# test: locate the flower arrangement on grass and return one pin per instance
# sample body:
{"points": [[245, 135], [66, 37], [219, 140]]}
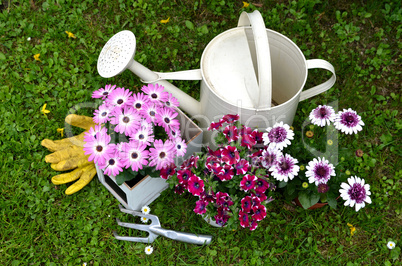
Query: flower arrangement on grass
{"points": [[135, 132], [230, 183], [319, 179]]}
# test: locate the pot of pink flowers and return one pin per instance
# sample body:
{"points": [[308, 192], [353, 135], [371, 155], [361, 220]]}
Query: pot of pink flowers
{"points": [[137, 139], [230, 184], [313, 181]]}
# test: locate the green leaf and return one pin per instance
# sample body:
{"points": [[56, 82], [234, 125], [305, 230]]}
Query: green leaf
{"points": [[305, 200], [2, 56], [282, 184], [332, 202], [189, 25], [395, 253]]}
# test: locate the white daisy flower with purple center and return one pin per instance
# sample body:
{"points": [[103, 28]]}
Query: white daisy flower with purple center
{"points": [[162, 155], [120, 97], [270, 156], [319, 171], [285, 169], [134, 155], [101, 115], [356, 193], [322, 115], [278, 136], [348, 121], [156, 93], [126, 120], [103, 92]]}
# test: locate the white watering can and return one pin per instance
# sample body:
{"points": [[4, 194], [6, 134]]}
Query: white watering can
{"points": [[248, 70]]}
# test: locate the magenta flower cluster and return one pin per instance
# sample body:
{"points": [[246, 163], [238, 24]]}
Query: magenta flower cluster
{"points": [[131, 118], [228, 174]]}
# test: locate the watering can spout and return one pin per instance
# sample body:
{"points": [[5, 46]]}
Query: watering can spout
{"points": [[117, 56]]}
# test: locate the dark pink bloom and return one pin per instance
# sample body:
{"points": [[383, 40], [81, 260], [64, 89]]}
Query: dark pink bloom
{"points": [[168, 171], [261, 185], [201, 207], [253, 224], [230, 155], [222, 217], [221, 197], [195, 185], [244, 220], [231, 133], [260, 212], [248, 182], [257, 135], [247, 139], [260, 196], [208, 196], [256, 200], [246, 204], [230, 118], [242, 167], [183, 176], [190, 162], [215, 126], [179, 189], [228, 173]]}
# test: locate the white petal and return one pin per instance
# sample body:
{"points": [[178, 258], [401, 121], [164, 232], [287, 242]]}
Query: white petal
{"points": [[367, 199]]}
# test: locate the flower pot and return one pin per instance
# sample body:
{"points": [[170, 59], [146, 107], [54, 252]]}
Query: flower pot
{"points": [[315, 206], [140, 191]]}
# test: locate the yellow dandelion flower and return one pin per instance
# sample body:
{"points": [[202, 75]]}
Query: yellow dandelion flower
{"points": [[44, 111], [245, 4], [330, 142], [36, 57], [309, 134], [164, 21], [352, 229], [61, 131], [305, 185], [70, 35]]}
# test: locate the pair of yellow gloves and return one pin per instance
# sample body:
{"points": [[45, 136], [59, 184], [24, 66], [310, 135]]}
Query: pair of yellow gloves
{"points": [[68, 154]]}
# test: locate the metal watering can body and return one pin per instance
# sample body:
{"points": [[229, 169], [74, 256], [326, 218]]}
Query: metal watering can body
{"points": [[248, 70]]}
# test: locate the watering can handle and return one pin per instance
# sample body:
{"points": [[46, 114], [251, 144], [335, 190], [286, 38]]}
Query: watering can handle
{"points": [[259, 49], [319, 63]]}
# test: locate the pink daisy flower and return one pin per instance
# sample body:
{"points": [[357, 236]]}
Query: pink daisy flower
{"points": [[269, 157], [126, 120], [319, 171], [248, 182], [99, 149], [156, 93], [134, 155], [348, 121], [181, 146], [149, 113], [162, 155], [278, 136], [91, 133], [140, 101], [120, 97], [143, 135], [171, 101], [113, 166], [165, 118], [103, 92], [101, 115]]}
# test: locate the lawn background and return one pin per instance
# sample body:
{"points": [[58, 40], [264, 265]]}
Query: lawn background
{"points": [[40, 225]]}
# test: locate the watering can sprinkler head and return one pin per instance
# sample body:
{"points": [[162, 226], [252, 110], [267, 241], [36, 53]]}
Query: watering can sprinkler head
{"points": [[118, 55]]}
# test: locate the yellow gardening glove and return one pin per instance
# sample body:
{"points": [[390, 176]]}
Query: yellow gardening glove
{"points": [[68, 154]]}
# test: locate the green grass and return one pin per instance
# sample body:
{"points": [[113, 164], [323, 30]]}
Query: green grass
{"points": [[40, 225]]}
